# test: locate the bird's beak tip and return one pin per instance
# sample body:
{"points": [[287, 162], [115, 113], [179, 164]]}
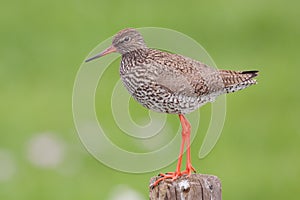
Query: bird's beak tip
{"points": [[87, 60], [109, 50]]}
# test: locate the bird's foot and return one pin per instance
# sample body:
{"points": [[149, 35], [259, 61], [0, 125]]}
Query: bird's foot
{"points": [[173, 175], [169, 175], [189, 170]]}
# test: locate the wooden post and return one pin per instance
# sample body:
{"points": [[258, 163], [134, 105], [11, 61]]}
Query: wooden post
{"points": [[195, 186]]}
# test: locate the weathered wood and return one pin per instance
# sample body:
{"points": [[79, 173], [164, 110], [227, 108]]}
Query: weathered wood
{"points": [[195, 186]]}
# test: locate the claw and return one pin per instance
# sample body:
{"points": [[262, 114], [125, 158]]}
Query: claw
{"points": [[173, 175], [189, 170], [169, 175]]}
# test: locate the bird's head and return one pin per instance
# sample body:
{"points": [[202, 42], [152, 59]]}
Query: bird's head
{"points": [[124, 41]]}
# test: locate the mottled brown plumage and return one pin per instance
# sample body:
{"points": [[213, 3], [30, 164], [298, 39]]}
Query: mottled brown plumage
{"points": [[171, 83]]}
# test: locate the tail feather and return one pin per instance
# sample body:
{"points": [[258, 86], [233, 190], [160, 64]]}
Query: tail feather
{"points": [[237, 80]]}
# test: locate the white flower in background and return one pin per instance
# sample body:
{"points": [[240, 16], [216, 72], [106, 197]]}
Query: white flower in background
{"points": [[123, 192], [46, 150]]}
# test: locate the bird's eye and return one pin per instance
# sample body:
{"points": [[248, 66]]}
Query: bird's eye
{"points": [[126, 39]]}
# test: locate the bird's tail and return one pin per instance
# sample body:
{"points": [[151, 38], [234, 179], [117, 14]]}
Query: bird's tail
{"points": [[237, 80]]}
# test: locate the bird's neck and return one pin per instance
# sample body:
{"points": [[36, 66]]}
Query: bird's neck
{"points": [[137, 53], [133, 58]]}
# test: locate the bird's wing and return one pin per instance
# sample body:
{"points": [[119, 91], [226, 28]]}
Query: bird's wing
{"points": [[174, 82], [184, 75]]}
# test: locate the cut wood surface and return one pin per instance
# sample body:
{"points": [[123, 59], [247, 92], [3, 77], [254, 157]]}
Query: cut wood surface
{"points": [[195, 186]]}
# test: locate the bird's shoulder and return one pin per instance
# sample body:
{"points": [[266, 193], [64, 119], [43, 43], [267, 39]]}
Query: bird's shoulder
{"points": [[174, 61]]}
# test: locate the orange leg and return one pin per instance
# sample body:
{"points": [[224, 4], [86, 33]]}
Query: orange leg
{"points": [[186, 130]]}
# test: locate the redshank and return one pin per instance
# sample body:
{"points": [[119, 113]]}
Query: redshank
{"points": [[171, 83]]}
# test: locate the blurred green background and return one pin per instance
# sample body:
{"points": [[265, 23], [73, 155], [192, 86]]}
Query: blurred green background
{"points": [[43, 43]]}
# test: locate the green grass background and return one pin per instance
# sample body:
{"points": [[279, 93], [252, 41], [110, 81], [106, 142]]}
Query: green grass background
{"points": [[43, 43]]}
